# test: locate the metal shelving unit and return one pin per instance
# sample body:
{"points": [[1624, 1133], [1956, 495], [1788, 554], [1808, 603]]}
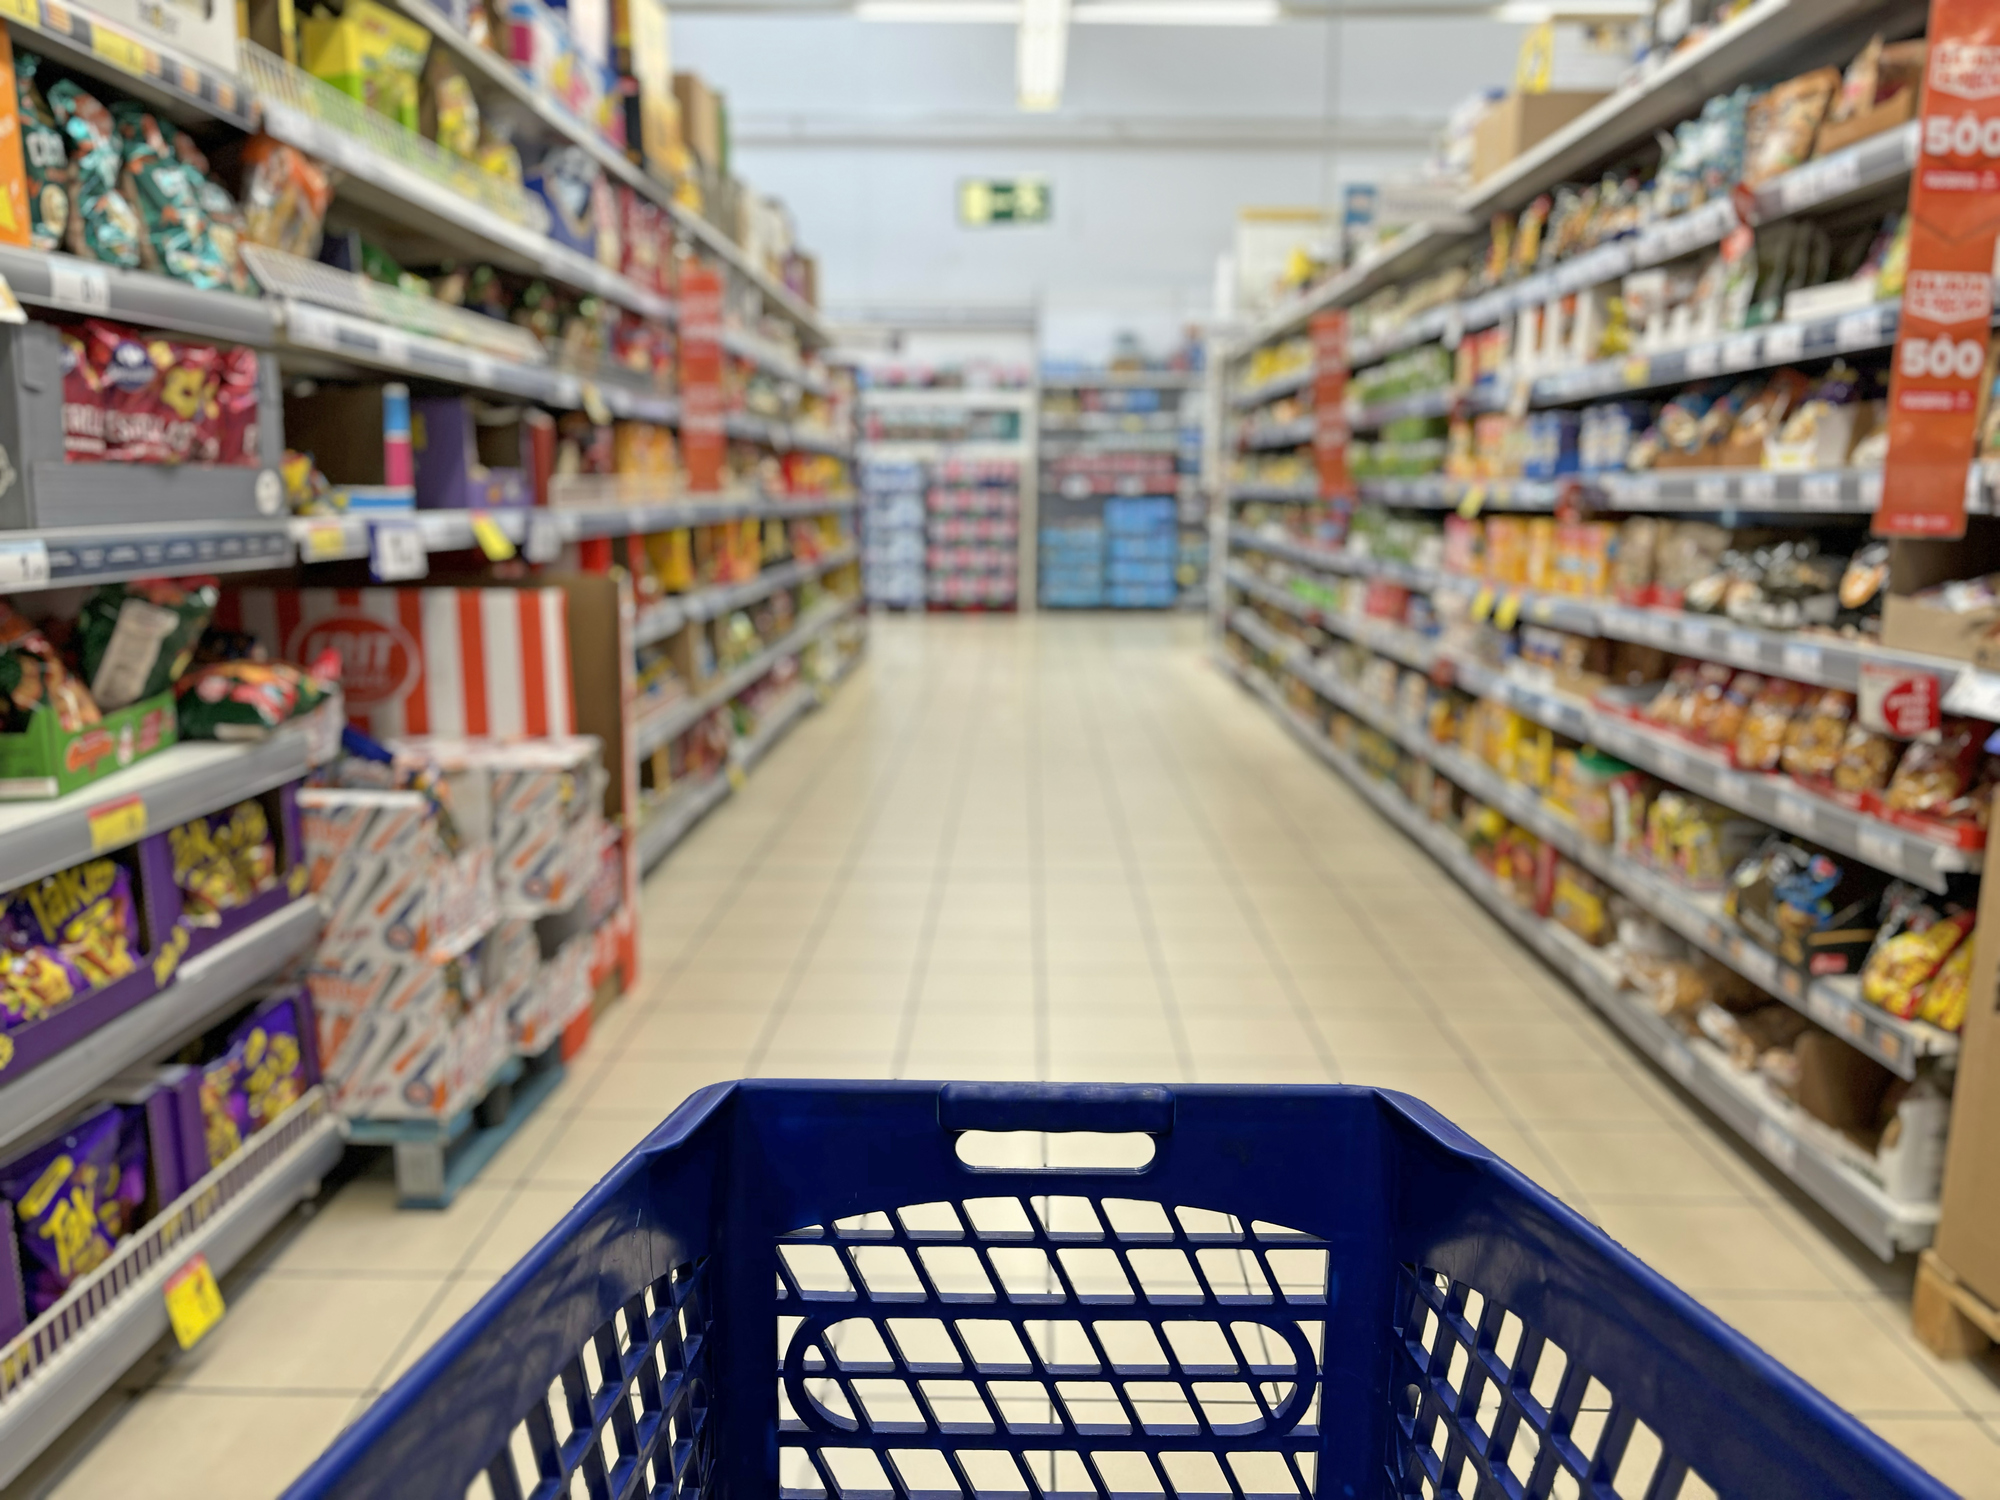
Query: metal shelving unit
{"points": [[668, 722], [1804, 1151], [658, 621]]}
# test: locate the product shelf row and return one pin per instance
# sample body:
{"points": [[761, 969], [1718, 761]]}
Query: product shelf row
{"points": [[1806, 1153], [1827, 492], [1773, 799], [658, 621], [675, 815], [668, 722], [110, 1318], [1833, 1002], [206, 988], [539, 533], [1766, 36], [1824, 661]]}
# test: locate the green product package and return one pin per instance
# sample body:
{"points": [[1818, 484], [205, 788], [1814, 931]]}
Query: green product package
{"points": [[103, 225], [51, 180], [136, 639], [158, 184]]}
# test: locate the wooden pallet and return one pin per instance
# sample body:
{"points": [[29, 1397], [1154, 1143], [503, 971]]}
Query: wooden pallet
{"points": [[1949, 1318]]}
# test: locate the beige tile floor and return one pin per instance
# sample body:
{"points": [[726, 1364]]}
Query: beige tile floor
{"points": [[1068, 849]]}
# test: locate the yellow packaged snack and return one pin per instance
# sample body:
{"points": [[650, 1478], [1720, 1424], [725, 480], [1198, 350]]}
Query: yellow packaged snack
{"points": [[370, 53]]}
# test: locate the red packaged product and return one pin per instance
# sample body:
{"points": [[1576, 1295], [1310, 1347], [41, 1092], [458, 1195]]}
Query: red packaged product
{"points": [[139, 426], [187, 390], [236, 408], [83, 403]]}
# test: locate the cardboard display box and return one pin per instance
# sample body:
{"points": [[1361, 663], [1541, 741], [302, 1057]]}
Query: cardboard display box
{"points": [[1518, 122], [701, 122]]}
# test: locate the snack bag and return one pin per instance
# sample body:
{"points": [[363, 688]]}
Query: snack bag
{"points": [[222, 861], [35, 981], [131, 378], [285, 197], [244, 700], [137, 638], [225, 1111], [1760, 744], [33, 676], [157, 184], [1943, 1001], [1866, 759], [51, 181], [232, 413], [86, 911], [83, 403], [1934, 777], [1918, 933], [450, 112], [103, 225], [225, 219], [271, 1070], [61, 1192], [1814, 740]]}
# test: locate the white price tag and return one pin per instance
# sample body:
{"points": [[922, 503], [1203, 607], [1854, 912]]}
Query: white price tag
{"points": [[82, 288], [1798, 813], [1858, 330], [1678, 1060], [1880, 848], [1711, 490], [1783, 342], [1758, 488], [1804, 662], [1757, 965], [1976, 695], [1704, 359], [1820, 491], [1740, 353], [1743, 647], [24, 565], [1673, 765], [1778, 1144], [1822, 180], [397, 553], [544, 543]]}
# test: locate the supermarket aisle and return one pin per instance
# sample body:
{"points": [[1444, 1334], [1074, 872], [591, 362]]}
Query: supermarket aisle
{"points": [[1058, 849]]}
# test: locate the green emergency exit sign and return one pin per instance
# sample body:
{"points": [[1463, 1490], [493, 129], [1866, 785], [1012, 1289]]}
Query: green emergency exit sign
{"points": [[1002, 200]]}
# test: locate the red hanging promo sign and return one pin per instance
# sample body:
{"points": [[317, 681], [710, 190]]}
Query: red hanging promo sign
{"points": [[1330, 429], [704, 444], [1948, 294]]}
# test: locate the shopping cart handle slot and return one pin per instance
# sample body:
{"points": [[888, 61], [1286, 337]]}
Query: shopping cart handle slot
{"points": [[1097, 1107]]}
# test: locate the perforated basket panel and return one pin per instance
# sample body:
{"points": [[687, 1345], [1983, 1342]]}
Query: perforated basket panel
{"points": [[803, 1290], [1076, 1344]]}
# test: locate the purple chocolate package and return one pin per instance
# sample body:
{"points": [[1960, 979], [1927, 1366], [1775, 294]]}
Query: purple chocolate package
{"points": [[59, 1192], [223, 860], [35, 981], [87, 911], [224, 1111], [270, 1061], [122, 1207]]}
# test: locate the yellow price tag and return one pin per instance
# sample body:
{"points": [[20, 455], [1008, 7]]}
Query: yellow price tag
{"points": [[1472, 502], [121, 51], [1638, 370], [22, 10], [493, 541], [737, 779], [324, 541], [114, 824], [1482, 606], [1508, 612], [194, 1302]]}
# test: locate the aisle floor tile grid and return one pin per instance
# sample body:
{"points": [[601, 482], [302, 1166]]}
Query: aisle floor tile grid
{"points": [[1059, 849]]}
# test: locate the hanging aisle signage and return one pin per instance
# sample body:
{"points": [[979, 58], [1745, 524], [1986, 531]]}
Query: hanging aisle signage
{"points": [[1948, 295], [703, 441], [1330, 426]]}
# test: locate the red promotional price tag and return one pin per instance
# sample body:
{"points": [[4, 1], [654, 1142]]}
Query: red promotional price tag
{"points": [[703, 441], [1948, 294], [1895, 700]]}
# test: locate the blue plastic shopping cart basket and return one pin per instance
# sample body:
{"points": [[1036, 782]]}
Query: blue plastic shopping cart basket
{"points": [[803, 1289]]}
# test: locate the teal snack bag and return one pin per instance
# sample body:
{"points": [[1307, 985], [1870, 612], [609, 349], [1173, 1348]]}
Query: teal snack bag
{"points": [[102, 226], [51, 180]]}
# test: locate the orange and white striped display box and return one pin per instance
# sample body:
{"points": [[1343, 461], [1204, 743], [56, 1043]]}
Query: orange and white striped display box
{"points": [[485, 662]]}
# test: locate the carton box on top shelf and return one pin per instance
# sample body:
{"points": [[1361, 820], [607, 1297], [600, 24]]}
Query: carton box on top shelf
{"points": [[47, 760], [643, 52], [701, 123], [204, 33], [1520, 121], [359, 437], [469, 455], [491, 661]]}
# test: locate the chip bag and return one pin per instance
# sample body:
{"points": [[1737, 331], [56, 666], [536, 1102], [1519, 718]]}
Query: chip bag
{"points": [[34, 982], [51, 179], [33, 676], [271, 1069], [87, 912], [103, 225], [138, 638], [244, 700], [68, 1207], [1918, 933]]}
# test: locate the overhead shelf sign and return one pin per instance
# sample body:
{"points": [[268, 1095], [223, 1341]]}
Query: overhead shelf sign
{"points": [[1002, 200]]}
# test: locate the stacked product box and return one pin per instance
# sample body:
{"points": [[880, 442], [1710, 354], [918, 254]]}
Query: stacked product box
{"points": [[1073, 565], [538, 805], [406, 1029], [893, 533], [1142, 550]]}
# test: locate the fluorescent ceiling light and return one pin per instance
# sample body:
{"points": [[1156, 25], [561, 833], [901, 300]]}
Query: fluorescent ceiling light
{"points": [[1041, 49], [973, 12], [1177, 13], [1534, 12]]}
